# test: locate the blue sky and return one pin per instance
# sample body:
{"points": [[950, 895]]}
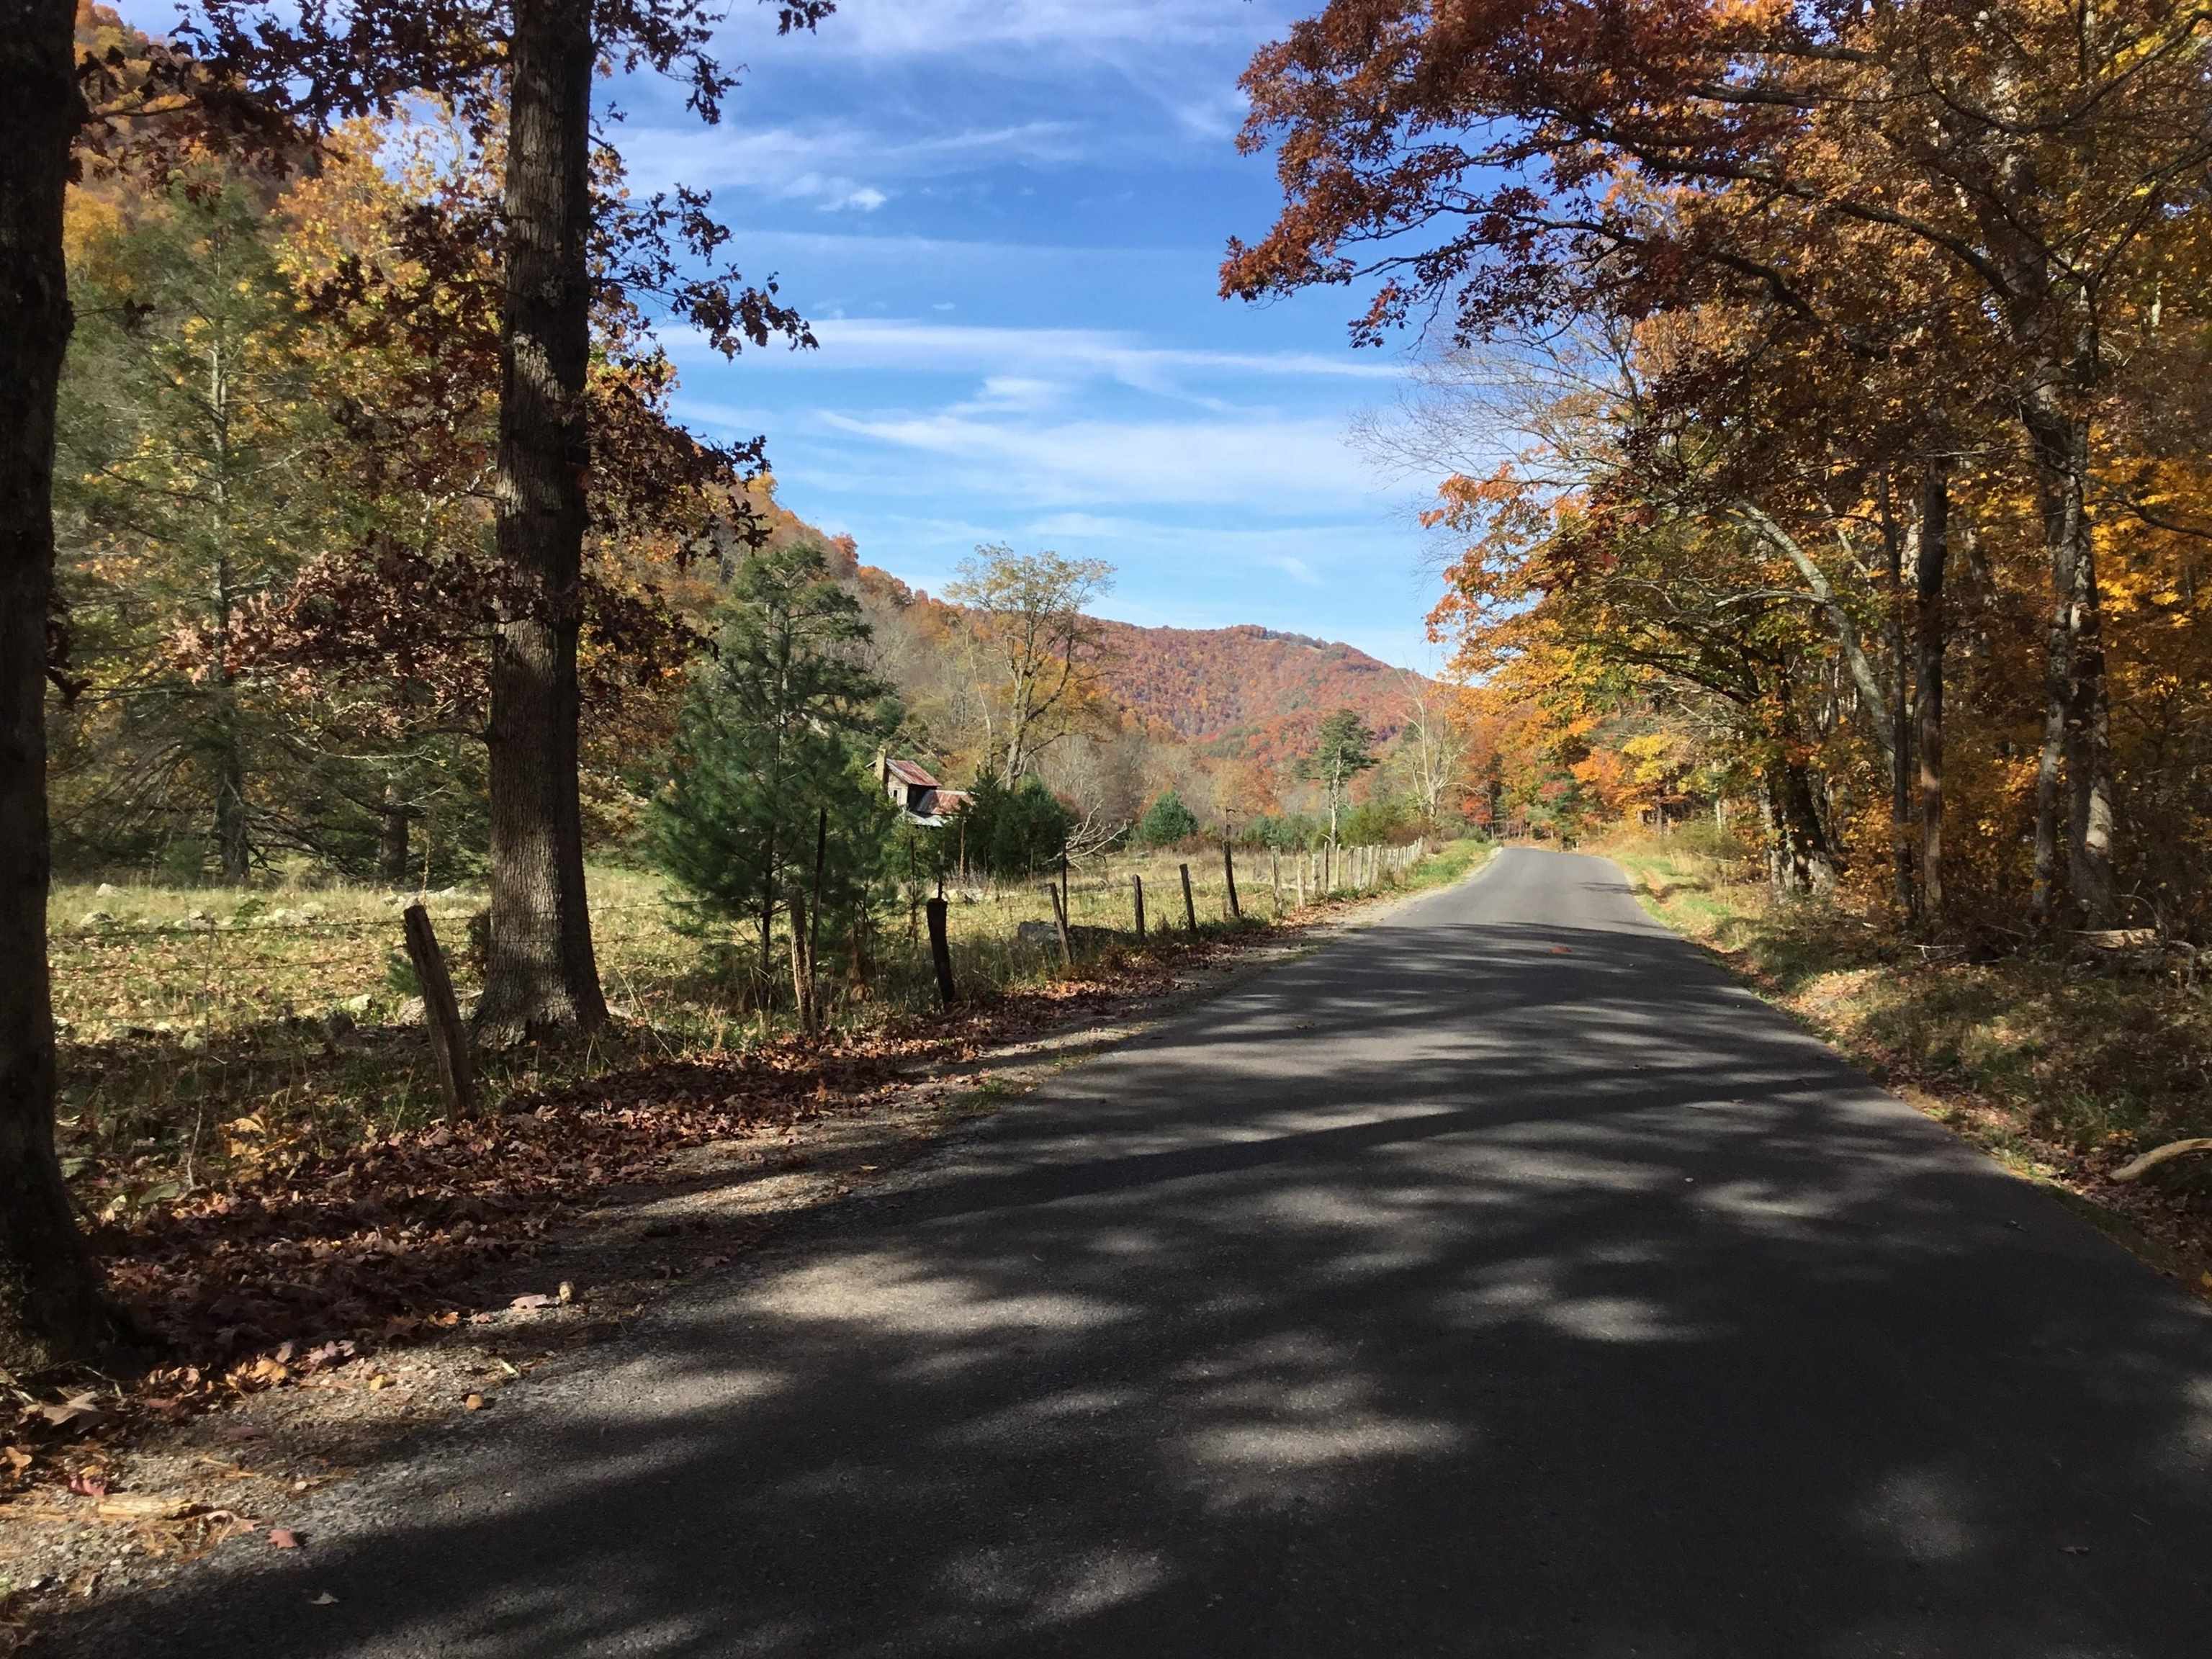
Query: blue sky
{"points": [[1004, 219]]}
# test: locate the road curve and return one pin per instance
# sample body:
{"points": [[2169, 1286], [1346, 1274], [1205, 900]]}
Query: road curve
{"points": [[1497, 1279]]}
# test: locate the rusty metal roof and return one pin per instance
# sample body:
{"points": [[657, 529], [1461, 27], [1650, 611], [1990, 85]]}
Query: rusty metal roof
{"points": [[907, 773]]}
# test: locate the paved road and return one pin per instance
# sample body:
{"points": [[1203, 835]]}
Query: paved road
{"points": [[1495, 1280]]}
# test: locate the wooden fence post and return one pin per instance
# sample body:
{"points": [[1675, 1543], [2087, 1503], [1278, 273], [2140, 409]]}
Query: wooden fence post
{"points": [[1059, 920], [940, 953], [449, 1038], [1137, 892], [1229, 877], [1275, 876], [1190, 910]]}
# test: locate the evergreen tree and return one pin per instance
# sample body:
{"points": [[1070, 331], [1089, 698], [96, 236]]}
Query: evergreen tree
{"points": [[185, 487], [1166, 821], [1343, 749], [775, 732], [1018, 832]]}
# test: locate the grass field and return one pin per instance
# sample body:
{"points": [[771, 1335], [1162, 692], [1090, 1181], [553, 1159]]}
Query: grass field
{"points": [[203, 1028]]}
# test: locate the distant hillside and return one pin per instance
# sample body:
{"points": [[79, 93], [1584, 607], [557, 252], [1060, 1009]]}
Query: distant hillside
{"points": [[1244, 692], [1249, 691]]}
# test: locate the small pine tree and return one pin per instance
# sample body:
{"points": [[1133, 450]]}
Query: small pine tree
{"points": [[1166, 821], [1015, 832], [775, 733]]}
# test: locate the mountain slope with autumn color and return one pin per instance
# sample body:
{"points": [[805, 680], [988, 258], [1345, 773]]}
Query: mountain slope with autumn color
{"points": [[1243, 692], [1249, 691]]}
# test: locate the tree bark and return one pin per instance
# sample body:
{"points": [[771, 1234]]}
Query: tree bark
{"points": [[2076, 734], [51, 1307], [1931, 636], [542, 975], [233, 837], [1901, 728], [1805, 860], [392, 837]]}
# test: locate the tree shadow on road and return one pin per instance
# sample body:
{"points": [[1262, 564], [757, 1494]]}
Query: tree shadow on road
{"points": [[1546, 1296]]}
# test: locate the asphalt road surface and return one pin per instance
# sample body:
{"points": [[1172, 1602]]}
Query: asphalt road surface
{"points": [[1497, 1279]]}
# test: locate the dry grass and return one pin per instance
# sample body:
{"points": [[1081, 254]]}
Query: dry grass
{"points": [[207, 1030], [2065, 1068]]}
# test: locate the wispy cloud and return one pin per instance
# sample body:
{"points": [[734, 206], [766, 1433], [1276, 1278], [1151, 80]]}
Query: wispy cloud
{"points": [[1282, 466], [828, 160], [932, 28], [875, 344]]}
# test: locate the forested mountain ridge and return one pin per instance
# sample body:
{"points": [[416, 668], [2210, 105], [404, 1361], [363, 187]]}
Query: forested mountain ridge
{"points": [[1245, 690], [1239, 692]]}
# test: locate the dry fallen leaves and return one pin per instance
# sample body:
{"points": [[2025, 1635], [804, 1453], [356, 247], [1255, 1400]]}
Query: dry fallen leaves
{"points": [[305, 1257]]}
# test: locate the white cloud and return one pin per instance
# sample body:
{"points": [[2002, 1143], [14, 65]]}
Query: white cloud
{"points": [[1012, 394], [1251, 464], [927, 28], [867, 199], [879, 344], [824, 159]]}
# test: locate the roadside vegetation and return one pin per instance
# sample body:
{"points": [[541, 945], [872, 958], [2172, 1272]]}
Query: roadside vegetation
{"points": [[2067, 1068]]}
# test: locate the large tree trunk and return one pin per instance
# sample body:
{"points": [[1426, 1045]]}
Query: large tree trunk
{"points": [[541, 974], [2076, 735], [1930, 637], [51, 1305], [1801, 859]]}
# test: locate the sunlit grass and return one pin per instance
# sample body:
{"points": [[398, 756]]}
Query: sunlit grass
{"points": [[203, 1027], [2065, 1051]]}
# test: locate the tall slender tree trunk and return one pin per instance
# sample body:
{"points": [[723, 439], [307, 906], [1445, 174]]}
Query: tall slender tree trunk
{"points": [[232, 838], [1930, 637], [50, 1304], [542, 974], [2077, 734], [1900, 721]]}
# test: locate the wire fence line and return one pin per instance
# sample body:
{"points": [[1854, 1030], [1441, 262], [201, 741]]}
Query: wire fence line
{"points": [[259, 964]]}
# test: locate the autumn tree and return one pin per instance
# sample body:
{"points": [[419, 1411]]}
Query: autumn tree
{"points": [[1430, 751], [521, 72], [188, 487], [50, 1300], [1501, 160], [269, 74], [1035, 655]]}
